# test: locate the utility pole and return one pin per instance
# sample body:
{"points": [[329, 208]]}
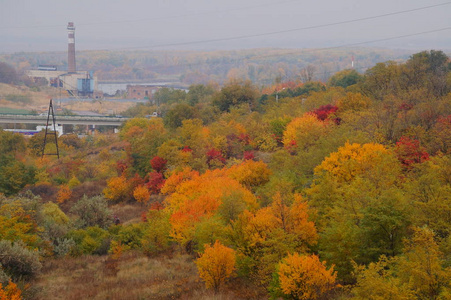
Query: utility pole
{"points": [[55, 133]]}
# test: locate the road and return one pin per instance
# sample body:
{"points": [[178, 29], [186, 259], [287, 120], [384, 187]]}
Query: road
{"points": [[73, 120]]}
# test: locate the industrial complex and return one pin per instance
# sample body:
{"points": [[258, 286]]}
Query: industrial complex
{"points": [[76, 83]]}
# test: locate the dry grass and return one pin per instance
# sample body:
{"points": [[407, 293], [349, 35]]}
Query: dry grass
{"points": [[129, 213], [102, 107], [40, 100], [137, 277]]}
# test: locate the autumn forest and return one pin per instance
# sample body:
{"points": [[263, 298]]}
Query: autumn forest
{"points": [[296, 189]]}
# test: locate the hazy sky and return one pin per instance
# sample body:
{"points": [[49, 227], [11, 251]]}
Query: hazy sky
{"points": [[40, 25]]}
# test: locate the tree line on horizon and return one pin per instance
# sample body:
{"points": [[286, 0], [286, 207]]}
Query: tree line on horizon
{"points": [[262, 66]]}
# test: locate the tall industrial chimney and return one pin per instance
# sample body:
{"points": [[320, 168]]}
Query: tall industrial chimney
{"points": [[71, 48]]}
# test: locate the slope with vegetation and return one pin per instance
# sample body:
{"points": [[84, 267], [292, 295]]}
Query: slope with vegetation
{"points": [[337, 190]]}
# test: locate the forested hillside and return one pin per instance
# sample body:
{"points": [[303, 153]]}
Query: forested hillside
{"points": [[297, 190]]}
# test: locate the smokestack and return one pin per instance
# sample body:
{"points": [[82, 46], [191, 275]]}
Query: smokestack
{"points": [[71, 48]]}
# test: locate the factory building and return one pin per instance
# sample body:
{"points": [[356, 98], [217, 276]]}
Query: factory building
{"points": [[81, 83], [141, 91]]}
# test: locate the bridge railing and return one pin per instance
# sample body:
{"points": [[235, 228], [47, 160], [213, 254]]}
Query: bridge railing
{"points": [[62, 117]]}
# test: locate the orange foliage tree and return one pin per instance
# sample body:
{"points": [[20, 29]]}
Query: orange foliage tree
{"points": [[199, 198], [177, 178], [64, 194], [10, 292], [216, 265], [305, 277]]}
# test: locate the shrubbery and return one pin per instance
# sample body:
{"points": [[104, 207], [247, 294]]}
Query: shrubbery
{"points": [[92, 240], [18, 261], [92, 211]]}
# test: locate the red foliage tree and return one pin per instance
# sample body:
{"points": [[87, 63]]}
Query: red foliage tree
{"points": [[291, 147], [410, 152], [323, 112], [244, 138], [136, 181], [248, 155], [155, 182], [214, 154], [121, 166], [158, 164], [187, 149]]}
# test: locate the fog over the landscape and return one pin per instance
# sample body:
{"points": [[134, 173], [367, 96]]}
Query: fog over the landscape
{"points": [[234, 24]]}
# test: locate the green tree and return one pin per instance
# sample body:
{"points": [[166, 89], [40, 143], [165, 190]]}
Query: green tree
{"points": [[144, 137], [381, 80], [177, 113], [11, 143], [168, 96], [345, 78], [155, 239], [14, 176], [428, 69], [199, 93], [234, 93]]}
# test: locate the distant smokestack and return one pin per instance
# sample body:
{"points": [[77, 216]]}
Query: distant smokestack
{"points": [[71, 48]]}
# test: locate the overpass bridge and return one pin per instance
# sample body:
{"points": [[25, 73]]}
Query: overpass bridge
{"points": [[62, 120]]}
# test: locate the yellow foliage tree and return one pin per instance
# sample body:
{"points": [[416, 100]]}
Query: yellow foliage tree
{"points": [[282, 219], [351, 160], [377, 282], [177, 158], [353, 102], [303, 132], [305, 277], [216, 265], [117, 189], [73, 182], [17, 224], [250, 173], [141, 194], [265, 237], [422, 266], [194, 135]]}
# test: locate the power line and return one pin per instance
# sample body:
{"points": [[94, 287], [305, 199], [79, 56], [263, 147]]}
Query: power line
{"points": [[318, 49], [242, 36], [288, 30], [313, 50], [159, 18]]}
